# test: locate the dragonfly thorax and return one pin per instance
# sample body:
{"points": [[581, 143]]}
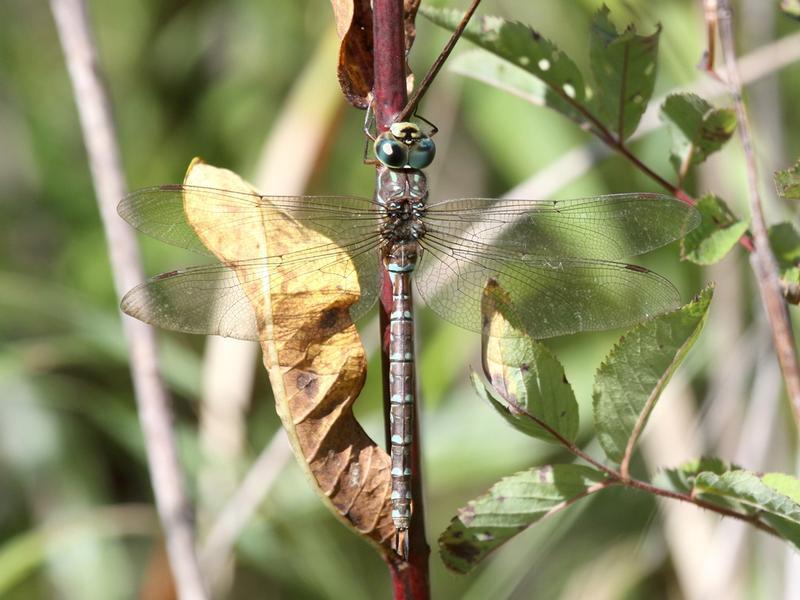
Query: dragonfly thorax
{"points": [[403, 196], [404, 221]]}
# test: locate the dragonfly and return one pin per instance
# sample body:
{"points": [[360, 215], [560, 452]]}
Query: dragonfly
{"points": [[559, 263]]}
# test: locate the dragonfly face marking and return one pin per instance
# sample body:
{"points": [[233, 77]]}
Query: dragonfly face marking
{"points": [[404, 146]]}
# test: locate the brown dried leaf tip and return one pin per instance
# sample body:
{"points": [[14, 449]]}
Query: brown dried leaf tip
{"points": [[356, 53]]}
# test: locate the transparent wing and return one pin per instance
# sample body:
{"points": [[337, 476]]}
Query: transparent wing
{"points": [[548, 297], [215, 299], [607, 227], [160, 213]]}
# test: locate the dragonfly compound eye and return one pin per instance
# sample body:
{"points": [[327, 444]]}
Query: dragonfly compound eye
{"points": [[390, 151], [421, 153]]}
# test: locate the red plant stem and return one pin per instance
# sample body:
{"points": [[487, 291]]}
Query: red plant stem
{"points": [[616, 477], [618, 145], [410, 579], [389, 45]]}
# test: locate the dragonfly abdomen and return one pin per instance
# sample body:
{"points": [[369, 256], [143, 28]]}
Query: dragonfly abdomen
{"points": [[401, 395]]}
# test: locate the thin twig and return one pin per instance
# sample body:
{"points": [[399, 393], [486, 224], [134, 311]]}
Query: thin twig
{"points": [[616, 477], [437, 65], [709, 57], [762, 259], [94, 109]]}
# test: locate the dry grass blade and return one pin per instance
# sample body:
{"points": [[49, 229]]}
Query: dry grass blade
{"points": [[152, 399]]}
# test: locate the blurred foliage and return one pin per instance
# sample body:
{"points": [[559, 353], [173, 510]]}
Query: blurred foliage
{"points": [[210, 79]]}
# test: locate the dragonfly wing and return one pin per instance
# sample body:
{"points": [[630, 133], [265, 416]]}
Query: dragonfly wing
{"points": [[605, 227], [160, 212], [221, 299], [548, 298], [203, 300]]}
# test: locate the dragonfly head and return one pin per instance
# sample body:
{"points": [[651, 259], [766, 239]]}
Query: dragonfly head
{"points": [[404, 146]]}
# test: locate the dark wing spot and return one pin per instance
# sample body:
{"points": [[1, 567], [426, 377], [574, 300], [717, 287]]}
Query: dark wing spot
{"points": [[637, 268], [171, 187]]}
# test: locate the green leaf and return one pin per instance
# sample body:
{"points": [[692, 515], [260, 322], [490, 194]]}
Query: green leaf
{"points": [[783, 484], [521, 46], [497, 72], [624, 68], [681, 479], [697, 129], [718, 232], [630, 380], [528, 385], [780, 510], [509, 507], [787, 182], [791, 8], [785, 242]]}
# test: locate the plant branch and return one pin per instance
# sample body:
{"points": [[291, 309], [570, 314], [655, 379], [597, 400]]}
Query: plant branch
{"points": [[94, 110], [623, 479], [419, 92], [616, 143], [410, 578], [763, 261]]}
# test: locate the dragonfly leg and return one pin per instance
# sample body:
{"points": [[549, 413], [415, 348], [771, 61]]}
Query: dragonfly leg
{"points": [[369, 121], [369, 124]]}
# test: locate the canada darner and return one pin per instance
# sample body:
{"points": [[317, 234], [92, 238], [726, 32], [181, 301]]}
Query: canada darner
{"points": [[552, 258]]}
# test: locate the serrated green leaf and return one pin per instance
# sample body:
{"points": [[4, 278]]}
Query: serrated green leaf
{"points": [[624, 68], [521, 46], [718, 232], [787, 182], [681, 478], [779, 510], [633, 375], [785, 243], [511, 505], [492, 70], [697, 129], [791, 8], [783, 484], [528, 383]]}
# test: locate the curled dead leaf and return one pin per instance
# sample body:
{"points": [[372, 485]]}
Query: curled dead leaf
{"points": [[316, 368], [356, 53]]}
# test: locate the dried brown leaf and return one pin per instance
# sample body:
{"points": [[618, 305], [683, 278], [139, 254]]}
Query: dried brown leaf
{"points": [[355, 71], [356, 54], [316, 371]]}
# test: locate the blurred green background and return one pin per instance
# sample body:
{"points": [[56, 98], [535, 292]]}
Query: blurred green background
{"points": [[212, 79]]}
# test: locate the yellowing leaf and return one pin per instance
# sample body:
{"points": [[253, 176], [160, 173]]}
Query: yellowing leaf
{"points": [[317, 368], [527, 383]]}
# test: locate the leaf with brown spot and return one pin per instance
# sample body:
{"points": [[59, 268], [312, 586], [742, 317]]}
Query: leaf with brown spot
{"points": [[527, 384], [316, 372], [510, 506]]}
